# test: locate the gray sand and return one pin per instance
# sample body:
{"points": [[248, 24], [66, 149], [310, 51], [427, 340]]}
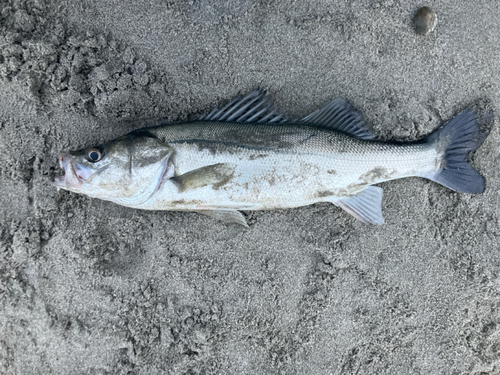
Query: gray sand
{"points": [[91, 287]]}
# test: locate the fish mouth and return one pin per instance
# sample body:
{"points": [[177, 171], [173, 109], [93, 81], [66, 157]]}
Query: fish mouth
{"points": [[75, 174]]}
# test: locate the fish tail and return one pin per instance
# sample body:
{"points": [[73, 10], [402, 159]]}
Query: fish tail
{"points": [[455, 141]]}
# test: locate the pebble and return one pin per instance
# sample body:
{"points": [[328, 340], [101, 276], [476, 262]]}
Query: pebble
{"points": [[425, 21]]}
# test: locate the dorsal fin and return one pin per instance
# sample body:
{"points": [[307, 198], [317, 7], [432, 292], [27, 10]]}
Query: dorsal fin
{"points": [[253, 108], [341, 116]]}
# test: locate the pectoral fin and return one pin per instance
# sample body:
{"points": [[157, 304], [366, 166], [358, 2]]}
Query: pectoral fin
{"points": [[365, 206], [215, 175], [227, 216]]}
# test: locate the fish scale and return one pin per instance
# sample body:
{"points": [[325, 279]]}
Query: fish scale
{"points": [[300, 160]]}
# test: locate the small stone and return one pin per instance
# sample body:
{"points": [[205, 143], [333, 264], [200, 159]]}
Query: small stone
{"points": [[425, 21]]}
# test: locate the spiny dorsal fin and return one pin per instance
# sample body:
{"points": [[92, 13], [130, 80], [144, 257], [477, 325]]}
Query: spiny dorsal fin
{"points": [[365, 206], [341, 116], [253, 108]]}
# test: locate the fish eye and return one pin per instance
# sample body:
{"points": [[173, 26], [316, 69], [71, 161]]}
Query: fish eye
{"points": [[94, 155]]}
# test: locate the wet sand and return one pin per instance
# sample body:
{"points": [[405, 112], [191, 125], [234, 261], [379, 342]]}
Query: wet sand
{"points": [[87, 286]]}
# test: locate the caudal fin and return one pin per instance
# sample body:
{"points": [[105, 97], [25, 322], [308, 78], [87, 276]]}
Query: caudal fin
{"points": [[460, 136]]}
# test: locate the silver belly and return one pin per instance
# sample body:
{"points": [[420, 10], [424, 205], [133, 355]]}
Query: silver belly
{"points": [[265, 180]]}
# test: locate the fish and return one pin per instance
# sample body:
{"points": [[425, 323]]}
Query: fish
{"points": [[247, 156]]}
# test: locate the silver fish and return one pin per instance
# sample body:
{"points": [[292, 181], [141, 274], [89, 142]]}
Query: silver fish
{"points": [[246, 156]]}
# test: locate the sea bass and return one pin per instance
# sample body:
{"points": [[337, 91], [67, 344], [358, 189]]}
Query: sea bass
{"points": [[247, 156]]}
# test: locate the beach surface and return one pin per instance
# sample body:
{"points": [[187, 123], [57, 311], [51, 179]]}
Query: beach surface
{"points": [[90, 287]]}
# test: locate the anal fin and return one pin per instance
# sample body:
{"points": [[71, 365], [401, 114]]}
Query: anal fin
{"points": [[227, 216], [365, 206]]}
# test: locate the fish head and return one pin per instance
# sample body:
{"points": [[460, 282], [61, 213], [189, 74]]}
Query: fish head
{"points": [[127, 171]]}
